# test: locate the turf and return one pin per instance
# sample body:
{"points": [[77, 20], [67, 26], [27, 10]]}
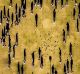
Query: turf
{"points": [[48, 36]]}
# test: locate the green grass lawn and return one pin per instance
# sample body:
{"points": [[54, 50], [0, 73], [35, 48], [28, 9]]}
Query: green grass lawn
{"points": [[48, 36]]}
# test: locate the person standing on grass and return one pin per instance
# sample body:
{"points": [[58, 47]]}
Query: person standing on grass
{"points": [[33, 57], [52, 2], [25, 4], [55, 4], [4, 42], [18, 67], [32, 73], [22, 1], [17, 19], [64, 39], [50, 59], [65, 69], [1, 17], [4, 12], [16, 7], [67, 65], [12, 18], [39, 52], [23, 11], [13, 51], [9, 60], [74, 13], [71, 64], [9, 39], [70, 49], [16, 12], [32, 6], [8, 14], [24, 55], [41, 63], [22, 69], [56, 71], [53, 71], [36, 19], [79, 10], [54, 15], [61, 3], [19, 14], [4, 31], [41, 3], [9, 43], [7, 28], [11, 2], [16, 39], [77, 25], [2, 35], [68, 27], [60, 54]]}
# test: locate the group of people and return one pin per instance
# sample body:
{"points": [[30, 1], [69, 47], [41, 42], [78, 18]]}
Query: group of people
{"points": [[38, 2], [68, 66], [20, 12], [6, 31]]}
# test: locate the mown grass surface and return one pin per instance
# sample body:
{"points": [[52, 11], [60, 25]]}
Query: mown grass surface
{"points": [[48, 36]]}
